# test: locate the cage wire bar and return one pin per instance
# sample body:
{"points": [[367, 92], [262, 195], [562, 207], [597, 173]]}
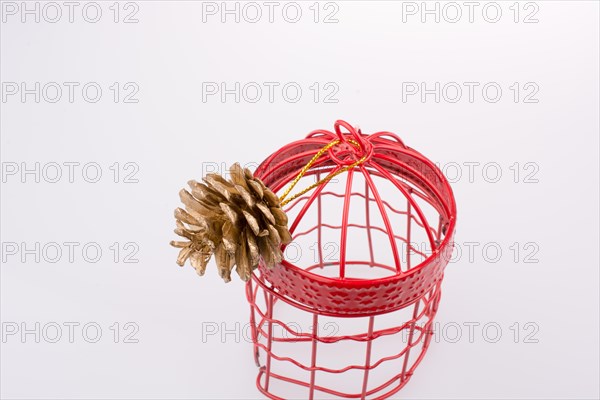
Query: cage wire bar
{"points": [[409, 287]]}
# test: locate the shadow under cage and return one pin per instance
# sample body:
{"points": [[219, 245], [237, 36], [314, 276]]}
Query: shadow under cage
{"points": [[349, 311]]}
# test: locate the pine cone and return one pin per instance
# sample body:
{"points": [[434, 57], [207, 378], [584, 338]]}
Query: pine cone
{"points": [[239, 221]]}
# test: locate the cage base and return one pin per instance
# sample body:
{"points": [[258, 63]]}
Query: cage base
{"points": [[308, 373]]}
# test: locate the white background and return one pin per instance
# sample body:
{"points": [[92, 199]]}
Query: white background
{"points": [[172, 135]]}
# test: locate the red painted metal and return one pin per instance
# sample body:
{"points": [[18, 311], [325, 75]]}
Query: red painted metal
{"points": [[411, 286]]}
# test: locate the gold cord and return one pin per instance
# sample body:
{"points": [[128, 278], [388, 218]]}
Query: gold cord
{"points": [[285, 201]]}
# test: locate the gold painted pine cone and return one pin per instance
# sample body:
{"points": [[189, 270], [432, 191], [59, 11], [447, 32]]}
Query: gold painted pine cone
{"points": [[238, 220]]}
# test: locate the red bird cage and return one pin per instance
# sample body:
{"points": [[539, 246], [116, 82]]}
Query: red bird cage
{"points": [[349, 312]]}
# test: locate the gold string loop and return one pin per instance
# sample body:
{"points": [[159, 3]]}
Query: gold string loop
{"points": [[303, 171]]}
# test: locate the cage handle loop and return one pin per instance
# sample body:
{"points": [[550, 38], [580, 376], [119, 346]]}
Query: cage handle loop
{"points": [[356, 136]]}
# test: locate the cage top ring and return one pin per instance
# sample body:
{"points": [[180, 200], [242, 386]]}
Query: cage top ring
{"points": [[392, 216]]}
